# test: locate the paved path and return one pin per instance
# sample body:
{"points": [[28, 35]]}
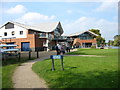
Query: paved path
{"points": [[24, 77]]}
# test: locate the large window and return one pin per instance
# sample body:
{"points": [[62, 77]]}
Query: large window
{"points": [[9, 26], [57, 33], [50, 35], [5, 33], [42, 35], [85, 36]]}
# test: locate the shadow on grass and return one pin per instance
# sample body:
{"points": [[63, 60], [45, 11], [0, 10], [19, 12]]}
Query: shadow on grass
{"points": [[91, 79]]}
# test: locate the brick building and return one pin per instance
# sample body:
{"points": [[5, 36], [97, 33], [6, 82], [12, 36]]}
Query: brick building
{"points": [[37, 37], [84, 39]]}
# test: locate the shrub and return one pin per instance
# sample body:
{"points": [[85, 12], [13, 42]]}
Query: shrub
{"points": [[93, 46]]}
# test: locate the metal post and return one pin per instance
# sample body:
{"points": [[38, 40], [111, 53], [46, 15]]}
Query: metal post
{"points": [[53, 68], [37, 54], [19, 56], [62, 64], [29, 54]]}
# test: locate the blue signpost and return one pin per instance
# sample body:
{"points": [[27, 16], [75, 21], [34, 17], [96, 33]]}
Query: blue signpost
{"points": [[56, 57]]}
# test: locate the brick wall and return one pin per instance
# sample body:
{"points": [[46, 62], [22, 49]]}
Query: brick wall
{"points": [[77, 40], [30, 38]]}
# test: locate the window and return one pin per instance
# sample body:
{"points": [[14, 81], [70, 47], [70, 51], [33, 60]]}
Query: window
{"points": [[85, 36], [56, 33], [9, 26], [5, 33], [21, 32], [13, 32], [42, 34]]}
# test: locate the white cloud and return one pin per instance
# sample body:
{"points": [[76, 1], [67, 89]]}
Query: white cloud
{"points": [[18, 9], [108, 29], [33, 17], [106, 6]]}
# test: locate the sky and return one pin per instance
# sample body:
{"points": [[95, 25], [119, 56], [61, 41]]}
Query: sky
{"points": [[74, 16]]}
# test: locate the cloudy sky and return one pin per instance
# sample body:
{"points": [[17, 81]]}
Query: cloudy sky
{"points": [[74, 16]]}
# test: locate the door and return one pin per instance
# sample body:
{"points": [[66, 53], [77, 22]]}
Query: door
{"points": [[25, 46]]}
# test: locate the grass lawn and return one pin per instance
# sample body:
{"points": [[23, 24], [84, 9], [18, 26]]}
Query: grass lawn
{"points": [[8, 69], [7, 72], [82, 72]]}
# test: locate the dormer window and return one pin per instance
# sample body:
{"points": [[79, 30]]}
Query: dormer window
{"points": [[13, 32]]}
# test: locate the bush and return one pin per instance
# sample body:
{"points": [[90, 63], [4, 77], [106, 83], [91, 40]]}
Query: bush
{"points": [[93, 46]]}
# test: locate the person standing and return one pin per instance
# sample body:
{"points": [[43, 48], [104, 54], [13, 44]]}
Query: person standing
{"points": [[63, 48], [68, 48], [58, 49]]}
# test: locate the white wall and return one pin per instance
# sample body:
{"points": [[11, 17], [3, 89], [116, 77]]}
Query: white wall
{"points": [[17, 30]]}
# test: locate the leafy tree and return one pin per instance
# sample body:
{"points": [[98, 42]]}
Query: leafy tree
{"points": [[110, 43], [117, 40], [96, 31], [100, 40]]}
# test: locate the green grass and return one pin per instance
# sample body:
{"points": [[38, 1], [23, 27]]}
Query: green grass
{"points": [[82, 72], [7, 72], [8, 69]]}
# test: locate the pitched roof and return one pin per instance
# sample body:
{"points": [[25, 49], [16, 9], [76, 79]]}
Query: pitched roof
{"points": [[43, 27], [76, 34], [21, 25]]}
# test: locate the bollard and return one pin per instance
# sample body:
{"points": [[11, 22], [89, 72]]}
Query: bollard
{"points": [[29, 54], [19, 57], [37, 54]]}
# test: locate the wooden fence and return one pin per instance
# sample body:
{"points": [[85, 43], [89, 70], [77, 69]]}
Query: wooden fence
{"points": [[29, 55]]}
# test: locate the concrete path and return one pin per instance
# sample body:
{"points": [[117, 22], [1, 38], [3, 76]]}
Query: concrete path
{"points": [[24, 77]]}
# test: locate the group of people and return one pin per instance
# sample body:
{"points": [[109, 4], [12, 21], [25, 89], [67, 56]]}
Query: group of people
{"points": [[62, 49]]}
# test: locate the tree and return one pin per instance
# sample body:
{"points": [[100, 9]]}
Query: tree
{"points": [[110, 43], [100, 40], [96, 31], [117, 40]]}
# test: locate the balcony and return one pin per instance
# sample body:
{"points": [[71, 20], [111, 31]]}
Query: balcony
{"points": [[60, 38], [43, 35], [70, 39]]}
